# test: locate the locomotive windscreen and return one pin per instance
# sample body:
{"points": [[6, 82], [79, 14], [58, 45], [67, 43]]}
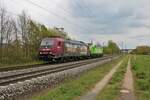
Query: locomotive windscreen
{"points": [[47, 43]]}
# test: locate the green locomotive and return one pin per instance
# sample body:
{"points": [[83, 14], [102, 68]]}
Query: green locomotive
{"points": [[95, 50]]}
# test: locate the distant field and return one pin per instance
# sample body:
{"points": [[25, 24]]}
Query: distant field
{"points": [[141, 70]]}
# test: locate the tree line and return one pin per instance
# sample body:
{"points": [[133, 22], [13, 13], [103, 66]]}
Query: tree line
{"points": [[141, 50], [20, 37]]}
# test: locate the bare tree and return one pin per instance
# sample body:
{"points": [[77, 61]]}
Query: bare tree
{"points": [[4, 29], [24, 29], [15, 33], [2, 14]]}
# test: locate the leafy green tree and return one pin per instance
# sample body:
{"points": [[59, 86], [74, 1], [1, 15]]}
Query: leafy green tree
{"points": [[142, 50], [112, 48]]}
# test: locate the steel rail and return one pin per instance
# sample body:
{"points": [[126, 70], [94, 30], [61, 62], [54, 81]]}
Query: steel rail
{"points": [[18, 67]]}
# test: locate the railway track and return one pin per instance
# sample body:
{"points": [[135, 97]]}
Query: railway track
{"points": [[18, 67], [14, 76]]}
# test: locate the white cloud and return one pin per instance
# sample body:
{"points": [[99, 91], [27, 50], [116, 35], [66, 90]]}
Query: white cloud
{"points": [[98, 20]]}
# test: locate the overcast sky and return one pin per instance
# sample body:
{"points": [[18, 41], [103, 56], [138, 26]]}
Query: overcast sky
{"points": [[126, 21]]}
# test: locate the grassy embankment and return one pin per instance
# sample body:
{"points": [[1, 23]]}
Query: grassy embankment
{"points": [[74, 88], [141, 70], [21, 64], [112, 90]]}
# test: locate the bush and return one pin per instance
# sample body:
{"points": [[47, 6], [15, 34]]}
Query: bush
{"points": [[141, 75], [143, 84]]}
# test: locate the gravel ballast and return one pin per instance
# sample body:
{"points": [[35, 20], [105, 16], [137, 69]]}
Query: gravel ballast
{"points": [[25, 88]]}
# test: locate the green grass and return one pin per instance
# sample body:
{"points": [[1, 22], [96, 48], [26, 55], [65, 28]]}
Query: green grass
{"points": [[74, 88], [112, 90], [141, 69], [23, 64]]}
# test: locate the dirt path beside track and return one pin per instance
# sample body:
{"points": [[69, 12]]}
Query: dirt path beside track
{"points": [[91, 95], [127, 91]]}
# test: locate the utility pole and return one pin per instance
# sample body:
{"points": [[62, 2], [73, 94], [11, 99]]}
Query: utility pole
{"points": [[103, 45], [122, 45]]}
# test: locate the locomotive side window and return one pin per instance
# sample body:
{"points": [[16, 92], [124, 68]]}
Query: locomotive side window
{"points": [[59, 43]]}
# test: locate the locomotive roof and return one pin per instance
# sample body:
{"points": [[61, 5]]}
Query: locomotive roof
{"points": [[75, 42], [69, 41]]}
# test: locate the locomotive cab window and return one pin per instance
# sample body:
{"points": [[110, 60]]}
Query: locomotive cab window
{"points": [[47, 43]]}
